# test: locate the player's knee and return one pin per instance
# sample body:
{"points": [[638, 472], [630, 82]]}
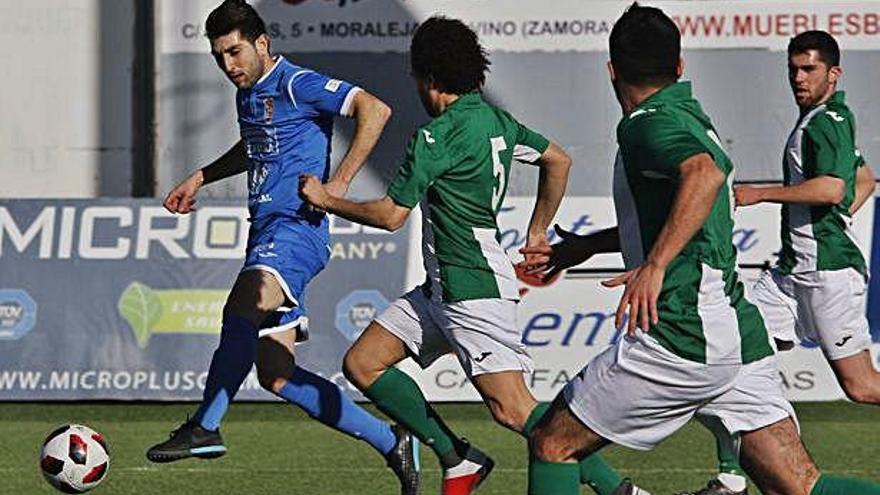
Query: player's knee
{"points": [[274, 365], [268, 379], [545, 446], [356, 368], [507, 415], [858, 391]]}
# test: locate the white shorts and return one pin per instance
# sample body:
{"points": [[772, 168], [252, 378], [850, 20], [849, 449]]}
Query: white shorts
{"points": [[636, 393], [825, 307], [482, 332]]}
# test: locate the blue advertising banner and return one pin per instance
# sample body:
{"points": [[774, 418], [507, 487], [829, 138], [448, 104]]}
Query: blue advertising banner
{"points": [[874, 284], [117, 299]]}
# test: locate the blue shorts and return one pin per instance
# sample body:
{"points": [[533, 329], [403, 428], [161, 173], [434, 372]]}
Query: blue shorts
{"points": [[294, 253]]}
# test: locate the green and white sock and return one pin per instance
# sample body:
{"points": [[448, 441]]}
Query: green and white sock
{"points": [[730, 473]]}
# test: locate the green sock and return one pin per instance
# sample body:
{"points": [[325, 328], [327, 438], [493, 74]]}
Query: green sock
{"points": [[598, 475], [553, 478], [534, 417], [837, 485], [727, 445], [398, 396], [595, 472]]}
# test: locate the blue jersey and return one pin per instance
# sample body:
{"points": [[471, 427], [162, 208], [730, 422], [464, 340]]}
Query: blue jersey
{"points": [[286, 122]]}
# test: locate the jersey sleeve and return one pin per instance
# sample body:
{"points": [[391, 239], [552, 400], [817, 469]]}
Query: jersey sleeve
{"points": [[660, 144], [831, 148], [322, 93], [425, 161], [529, 145]]}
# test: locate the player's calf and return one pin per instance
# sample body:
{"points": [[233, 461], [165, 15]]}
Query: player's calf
{"points": [[275, 363], [776, 460], [508, 399], [858, 378]]}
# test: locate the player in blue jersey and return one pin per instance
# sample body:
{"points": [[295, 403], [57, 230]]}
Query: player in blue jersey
{"points": [[285, 114]]}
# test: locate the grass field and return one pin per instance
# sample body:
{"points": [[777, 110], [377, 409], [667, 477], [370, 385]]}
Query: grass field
{"points": [[275, 449]]}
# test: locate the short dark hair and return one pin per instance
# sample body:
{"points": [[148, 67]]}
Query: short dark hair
{"points": [[449, 53], [822, 42], [645, 46], [235, 15]]}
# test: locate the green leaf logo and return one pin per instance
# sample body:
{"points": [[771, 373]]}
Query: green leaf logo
{"points": [[141, 308]]}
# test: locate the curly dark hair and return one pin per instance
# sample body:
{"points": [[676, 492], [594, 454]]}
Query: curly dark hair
{"points": [[448, 52], [822, 42], [235, 15], [645, 46]]}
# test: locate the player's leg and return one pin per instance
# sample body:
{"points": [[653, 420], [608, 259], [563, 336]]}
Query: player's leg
{"points": [[835, 305], [775, 458], [556, 445], [369, 365], [489, 345], [771, 450], [858, 378], [632, 394], [317, 396], [773, 294], [255, 294]]}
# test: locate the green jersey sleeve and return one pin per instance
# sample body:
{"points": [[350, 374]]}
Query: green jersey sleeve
{"points": [[831, 148], [661, 143], [425, 161], [529, 145]]}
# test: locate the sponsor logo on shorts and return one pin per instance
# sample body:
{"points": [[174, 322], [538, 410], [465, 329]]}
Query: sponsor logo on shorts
{"points": [[482, 357], [18, 314], [356, 310], [843, 341]]}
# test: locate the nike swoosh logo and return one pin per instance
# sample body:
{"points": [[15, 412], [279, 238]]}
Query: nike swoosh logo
{"points": [[843, 341], [482, 357]]}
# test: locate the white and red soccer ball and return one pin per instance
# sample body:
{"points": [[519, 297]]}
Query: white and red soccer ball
{"points": [[74, 458]]}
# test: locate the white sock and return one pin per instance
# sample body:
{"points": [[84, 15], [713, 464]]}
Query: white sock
{"points": [[733, 482], [463, 468]]}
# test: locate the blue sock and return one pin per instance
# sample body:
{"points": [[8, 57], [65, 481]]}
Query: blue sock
{"points": [[327, 403], [230, 365]]}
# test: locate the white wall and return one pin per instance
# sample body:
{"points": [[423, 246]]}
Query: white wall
{"points": [[65, 129]]}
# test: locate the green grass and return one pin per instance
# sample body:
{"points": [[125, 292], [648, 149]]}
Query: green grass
{"points": [[275, 449]]}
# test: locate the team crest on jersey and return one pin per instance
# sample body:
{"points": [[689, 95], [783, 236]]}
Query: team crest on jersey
{"points": [[268, 109]]}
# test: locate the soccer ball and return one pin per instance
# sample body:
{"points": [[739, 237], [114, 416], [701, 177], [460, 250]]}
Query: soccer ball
{"points": [[74, 458]]}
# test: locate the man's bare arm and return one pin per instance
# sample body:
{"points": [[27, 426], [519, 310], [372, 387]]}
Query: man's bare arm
{"points": [[822, 190], [370, 115], [865, 185], [182, 198], [700, 180], [380, 213], [554, 164]]}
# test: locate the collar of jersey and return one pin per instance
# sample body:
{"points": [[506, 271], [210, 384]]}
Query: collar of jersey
{"points": [[267, 75], [678, 91], [838, 97], [466, 100]]}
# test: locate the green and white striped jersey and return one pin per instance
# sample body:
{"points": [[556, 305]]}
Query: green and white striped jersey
{"points": [[460, 163], [820, 237], [703, 313]]}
